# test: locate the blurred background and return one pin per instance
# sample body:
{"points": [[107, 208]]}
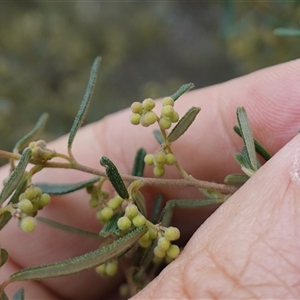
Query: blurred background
{"points": [[148, 49]]}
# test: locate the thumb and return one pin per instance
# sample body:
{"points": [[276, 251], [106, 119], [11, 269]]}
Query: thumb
{"points": [[249, 248]]}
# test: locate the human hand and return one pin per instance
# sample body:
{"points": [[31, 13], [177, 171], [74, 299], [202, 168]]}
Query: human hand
{"points": [[247, 249]]}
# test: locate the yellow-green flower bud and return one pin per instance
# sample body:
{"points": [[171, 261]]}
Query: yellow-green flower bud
{"points": [[124, 290], [170, 159], [163, 243], [111, 268], [143, 121], [172, 233], [145, 243], [150, 118], [138, 220], [28, 224], [159, 252], [25, 206], [33, 192], [168, 101], [159, 170], [137, 107], [148, 104], [115, 202], [173, 251], [165, 123], [101, 269], [160, 158], [104, 214], [149, 159], [175, 117], [135, 119], [124, 223], [131, 211], [152, 233], [44, 200], [167, 111], [93, 202]]}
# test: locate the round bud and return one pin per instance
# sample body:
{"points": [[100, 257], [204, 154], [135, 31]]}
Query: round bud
{"points": [[173, 251], [104, 214], [41, 143], [25, 206], [111, 268], [168, 101], [143, 121], [145, 244], [131, 211], [124, 290], [44, 200], [28, 224], [175, 117], [157, 260], [159, 171], [172, 233], [165, 123], [32, 145], [22, 196], [135, 119], [163, 243], [167, 111], [137, 107], [159, 252], [93, 202], [115, 202], [150, 118], [168, 259], [138, 220], [33, 192], [170, 159], [149, 159], [160, 158], [152, 233], [145, 237], [148, 104], [101, 269], [124, 223]]}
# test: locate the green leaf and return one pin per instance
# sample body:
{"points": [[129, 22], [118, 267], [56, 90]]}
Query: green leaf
{"points": [[16, 176], [61, 189], [85, 102], [33, 134], [247, 136], [3, 296], [111, 227], [156, 208], [68, 228], [114, 177], [83, 262], [258, 147], [159, 138], [139, 164], [139, 201], [19, 294], [3, 257], [183, 89], [289, 32], [242, 160], [166, 215], [184, 123], [236, 179]]}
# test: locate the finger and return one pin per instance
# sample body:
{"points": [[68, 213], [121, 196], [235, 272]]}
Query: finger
{"points": [[270, 98], [249, 248]]}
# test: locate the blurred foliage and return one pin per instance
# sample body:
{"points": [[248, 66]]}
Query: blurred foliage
{"points": [[147, 49]]}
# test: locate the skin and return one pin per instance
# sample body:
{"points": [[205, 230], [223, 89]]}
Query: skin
{"points": [[248, 248]]}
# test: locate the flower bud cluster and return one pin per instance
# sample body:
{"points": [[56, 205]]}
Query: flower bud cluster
{"points": [[132, 217], [106, 212], [109, 268], [168, 114], [142, 113], [40, 151], [159, 160], [29, 203]]}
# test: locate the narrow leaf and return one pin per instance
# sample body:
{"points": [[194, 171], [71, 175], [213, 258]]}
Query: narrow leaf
{"points": [[291, 32], [15, 176], [111, 227], [85, 102], [139, 201], [166, 215], [114, 177], [33, 134], [139, 164], [19, 294], [156, 209], [236, 179], [3, 296], [61, 189], [159, 138], [258, 147], [183, 89], [247, 136], [240, 158], [184, 123], [68, 228], [3, 257], [81, 263]]}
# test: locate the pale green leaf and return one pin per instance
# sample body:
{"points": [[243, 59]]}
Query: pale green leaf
{"points": [[139, 164], [19, 294], [184, 123], [85, 102], [111, 227], [183, 89], [159, 138], [288, 32], [16, 176], [61, 189], [33, 134], [3, 256], [236, 179], [83, 262]]}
